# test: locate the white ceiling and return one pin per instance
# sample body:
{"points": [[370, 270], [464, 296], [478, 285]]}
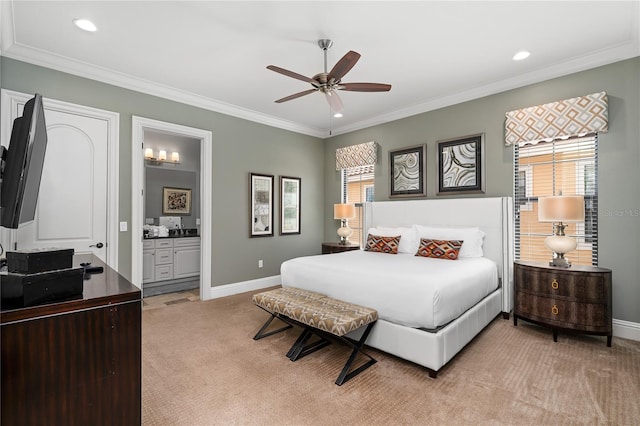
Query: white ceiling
{"points": [[214, 54]]}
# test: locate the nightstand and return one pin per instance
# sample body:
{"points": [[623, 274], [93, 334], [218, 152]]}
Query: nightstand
{"points": [[328, 248], [576, 299]]}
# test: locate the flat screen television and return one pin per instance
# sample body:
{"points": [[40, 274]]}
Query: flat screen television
{"points": [[21, 167]]}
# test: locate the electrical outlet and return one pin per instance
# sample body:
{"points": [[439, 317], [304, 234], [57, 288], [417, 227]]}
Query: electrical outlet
{"points": [[260, 263], [123, 226]]}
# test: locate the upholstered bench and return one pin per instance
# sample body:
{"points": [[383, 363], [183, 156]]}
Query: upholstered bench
{"points": [[320, 316]]}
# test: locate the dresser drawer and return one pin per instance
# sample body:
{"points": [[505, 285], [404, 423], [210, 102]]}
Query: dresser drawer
{"points": [[576, 285], [564, 313], [186, 242], [164, 272], [164, 256], [164, 243]]}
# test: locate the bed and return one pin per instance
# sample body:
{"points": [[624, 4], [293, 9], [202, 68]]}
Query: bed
{"points": [[428, 309]]}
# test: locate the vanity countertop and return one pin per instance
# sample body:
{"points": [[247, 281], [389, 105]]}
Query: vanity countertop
{"points": [[176, 233]]}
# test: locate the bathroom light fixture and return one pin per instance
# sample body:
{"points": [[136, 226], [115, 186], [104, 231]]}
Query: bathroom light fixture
{"points": [[560, 210], [85, 24], [162, 157]]}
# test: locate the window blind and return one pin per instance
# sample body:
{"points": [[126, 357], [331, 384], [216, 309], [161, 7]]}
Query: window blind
{"points": [[357, 187], [560, 167]]}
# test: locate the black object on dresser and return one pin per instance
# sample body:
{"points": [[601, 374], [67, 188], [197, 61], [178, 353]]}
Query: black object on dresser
{"points": [[576, 299], [328, 248]]}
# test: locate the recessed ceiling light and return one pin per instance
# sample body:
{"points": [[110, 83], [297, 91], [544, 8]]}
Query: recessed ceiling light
{"points": [[337, 115], [85, 24], [521, 55]]}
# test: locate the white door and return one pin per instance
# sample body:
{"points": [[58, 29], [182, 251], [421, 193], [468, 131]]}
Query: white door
{"points": [[72, 203]]}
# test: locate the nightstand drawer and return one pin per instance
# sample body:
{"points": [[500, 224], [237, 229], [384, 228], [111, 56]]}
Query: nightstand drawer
{"points": [[581, 286], [563, 313]]}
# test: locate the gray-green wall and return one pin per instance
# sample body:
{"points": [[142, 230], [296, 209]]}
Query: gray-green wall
{"points": [[619, 160], [239, 147]]}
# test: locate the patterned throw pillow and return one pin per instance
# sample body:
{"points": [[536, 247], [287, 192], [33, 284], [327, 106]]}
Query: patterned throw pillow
{"points": [[439, 249], [382, 244]]}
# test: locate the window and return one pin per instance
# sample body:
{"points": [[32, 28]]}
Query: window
{"points": [[569, 167], [357, 187]]}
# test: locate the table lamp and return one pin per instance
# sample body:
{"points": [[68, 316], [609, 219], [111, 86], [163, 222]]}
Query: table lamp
{"points": [[344, 212], [560, 210]]}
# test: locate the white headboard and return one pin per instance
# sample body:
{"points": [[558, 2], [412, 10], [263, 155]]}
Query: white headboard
{"points": [[494, 215]]}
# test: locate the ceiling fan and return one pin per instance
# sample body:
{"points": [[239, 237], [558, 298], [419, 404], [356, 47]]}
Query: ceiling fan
{"points": [[330, 82]]}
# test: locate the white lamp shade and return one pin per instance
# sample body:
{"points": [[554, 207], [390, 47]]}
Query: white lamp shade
{"points": [[561, 208], [162, 155], [344, 211], [148, 153], [175, 156]]}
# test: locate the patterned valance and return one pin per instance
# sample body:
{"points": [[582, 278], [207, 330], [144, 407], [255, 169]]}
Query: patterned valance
{"points": [[558, 120], [363, 154]]}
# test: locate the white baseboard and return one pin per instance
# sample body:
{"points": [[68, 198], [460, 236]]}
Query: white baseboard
{"points": [[626, 329], [243, 287]]}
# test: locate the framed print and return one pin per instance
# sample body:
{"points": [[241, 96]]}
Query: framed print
{"points": [[176, 201], [261, 192], [289, 205], [407, 167], [461, 164]]}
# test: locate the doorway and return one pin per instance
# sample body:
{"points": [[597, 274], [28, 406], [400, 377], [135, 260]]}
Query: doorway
{"points": [[140, 126], [77, 204]]}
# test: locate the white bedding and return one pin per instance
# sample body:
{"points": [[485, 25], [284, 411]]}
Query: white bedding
{"points": [[413, 291]]}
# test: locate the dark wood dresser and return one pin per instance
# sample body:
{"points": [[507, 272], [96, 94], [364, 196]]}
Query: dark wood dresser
{"points": [[328, 248], [76, 362], [575, 299]]}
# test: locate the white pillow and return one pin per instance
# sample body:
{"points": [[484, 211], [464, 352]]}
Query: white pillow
{"points": [[473, 237], [408, 241]]}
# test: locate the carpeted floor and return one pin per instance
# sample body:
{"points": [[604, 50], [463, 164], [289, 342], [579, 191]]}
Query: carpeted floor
{"points": [[200, 366]]}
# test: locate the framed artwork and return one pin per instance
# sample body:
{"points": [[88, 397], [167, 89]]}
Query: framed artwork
{"points": [[407, 167], [461, 164], [261, 193], [290, 205], [176, 201]]}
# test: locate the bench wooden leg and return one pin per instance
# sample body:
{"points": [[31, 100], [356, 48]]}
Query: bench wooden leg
{"points": [[301, 349], [345, 375], [261, 333]]}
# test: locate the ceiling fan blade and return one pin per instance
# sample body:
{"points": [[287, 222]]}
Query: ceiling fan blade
{"points": [[344, 65], [335, 103], [365, 87], [295, 95], [290, 74]]}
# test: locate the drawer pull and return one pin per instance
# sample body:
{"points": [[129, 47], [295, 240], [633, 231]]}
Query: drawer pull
{"points": [[554, 284], [554, 310]]}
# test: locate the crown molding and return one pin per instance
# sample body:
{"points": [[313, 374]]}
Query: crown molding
{"points": [[10, 49], [571, 66]]}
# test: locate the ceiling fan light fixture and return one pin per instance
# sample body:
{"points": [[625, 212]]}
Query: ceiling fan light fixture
{"points": [[334, 101]]}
